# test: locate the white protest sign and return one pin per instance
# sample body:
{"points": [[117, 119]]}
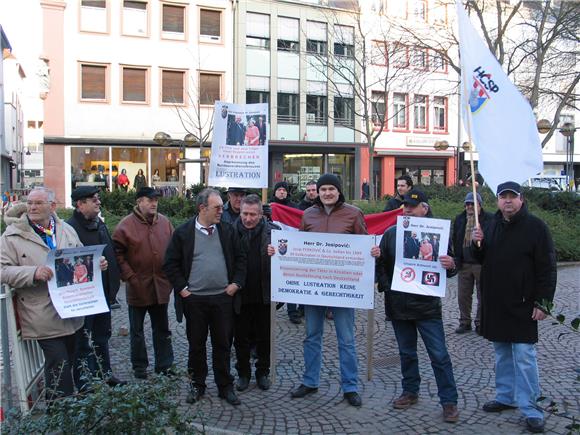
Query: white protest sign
{"points": [[420, 243], [332, 270]]}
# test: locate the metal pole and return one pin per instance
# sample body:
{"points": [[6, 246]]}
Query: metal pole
{"points": [[6, 370]]}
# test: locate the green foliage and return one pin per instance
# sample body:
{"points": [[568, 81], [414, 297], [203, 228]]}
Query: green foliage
{"points": [[560, 319]]}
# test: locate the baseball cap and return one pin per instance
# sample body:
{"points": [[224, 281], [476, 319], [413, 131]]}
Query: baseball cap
{"points": [[83, 192], [415, 197], [469, 198], [149, 192], [509, 186]]}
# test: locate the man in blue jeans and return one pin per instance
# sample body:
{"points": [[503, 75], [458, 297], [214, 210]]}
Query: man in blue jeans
{"points": [[412, 313], [518, 271]]}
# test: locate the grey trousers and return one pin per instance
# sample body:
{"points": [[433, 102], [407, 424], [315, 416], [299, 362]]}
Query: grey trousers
{"points": [[466, 278]]}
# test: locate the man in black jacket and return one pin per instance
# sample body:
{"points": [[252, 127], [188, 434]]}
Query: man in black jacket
{"points": [[206, 265], [252, 325], [410, 313], [232, 207], [92, 231], [310, 195], [468, 268], [518, 271], [404, 186]]}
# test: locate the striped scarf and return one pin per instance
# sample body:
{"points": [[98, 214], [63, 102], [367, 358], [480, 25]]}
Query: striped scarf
{"points": [[470, 224]]}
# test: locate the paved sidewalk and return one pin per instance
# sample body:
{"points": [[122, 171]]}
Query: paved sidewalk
{"points": [[327, 413]]}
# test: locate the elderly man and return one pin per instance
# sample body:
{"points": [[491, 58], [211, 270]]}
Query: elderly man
{"points": [[468, 268], [232, 207], [25, 246], [331, 214], [412, 313], [206, 265], [93, 231], [404, 185], [140, 241], [518, 271], [310, 195], [253, 321]]}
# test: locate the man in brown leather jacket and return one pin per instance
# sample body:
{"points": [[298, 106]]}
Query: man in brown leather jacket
{"points": [[140, 242]]}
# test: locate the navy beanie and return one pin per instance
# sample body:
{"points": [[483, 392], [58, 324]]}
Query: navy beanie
{"points": [[329, 179]]}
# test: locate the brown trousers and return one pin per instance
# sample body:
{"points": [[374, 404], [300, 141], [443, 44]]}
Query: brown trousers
{"points": [[466, 278]]}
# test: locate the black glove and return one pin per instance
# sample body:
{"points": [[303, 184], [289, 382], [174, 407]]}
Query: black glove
{"points": [[267, 211]]}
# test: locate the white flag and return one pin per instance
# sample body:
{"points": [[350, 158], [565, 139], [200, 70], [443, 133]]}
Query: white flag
{"points": [[503, 126]]}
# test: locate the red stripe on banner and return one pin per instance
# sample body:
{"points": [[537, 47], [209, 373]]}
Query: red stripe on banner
{"points": [[377, 223]]}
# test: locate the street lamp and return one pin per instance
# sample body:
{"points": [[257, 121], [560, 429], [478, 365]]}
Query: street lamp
{"points": [[567, 130], [442, 145]]}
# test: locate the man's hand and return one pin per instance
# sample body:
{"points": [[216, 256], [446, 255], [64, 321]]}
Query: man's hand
{"points": [[538, 314], [376, 251], [43, 273], [231, 289], [271, 250], [477, 235], [184, 293], [103, 264], [447, 262]]}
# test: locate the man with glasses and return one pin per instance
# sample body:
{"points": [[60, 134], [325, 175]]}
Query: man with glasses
{"points": [[206, 265], [93, 231], [518, 271], [467, 266]]}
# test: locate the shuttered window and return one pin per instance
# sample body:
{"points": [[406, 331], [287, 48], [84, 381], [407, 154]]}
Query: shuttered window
{"points": [[94, 3], [94, 82], [210, 23], [173, 18], [134, 85], [172, 87], [209, 88]]}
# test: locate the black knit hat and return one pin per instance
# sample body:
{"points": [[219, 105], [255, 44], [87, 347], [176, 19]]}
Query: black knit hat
{"points": [[281, 184], [329, 179]]}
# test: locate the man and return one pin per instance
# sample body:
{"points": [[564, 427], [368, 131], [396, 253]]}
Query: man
{"points": [[331, 214], [140, 240], [92, 231], [206, 265], [404, 186], [281, 195], [232, 207], [467, 266], [365, 189], [518, 270], [252, 324], [236, 132], [28, 239], [411, 246], [410, 313], [310, 196], [262, 128]]}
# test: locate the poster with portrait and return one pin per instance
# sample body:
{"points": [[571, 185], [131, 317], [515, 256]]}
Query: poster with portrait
{"points": [[239, 149], [324, 269], [76, 287], [420, 243]]}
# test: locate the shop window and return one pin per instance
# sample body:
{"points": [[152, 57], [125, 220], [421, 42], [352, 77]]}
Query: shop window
{"points": [[133, 163], [379, 109], [90, 167], [164, 167], [135, 18], [94, 82], [288, 108], [93, 16], [344, 111], [316, 109], [299, 169], [420, 120], [173, 21], [440, 114], [210, 25], [400, 120], [135, 85], [209, 88], [173, 87]]}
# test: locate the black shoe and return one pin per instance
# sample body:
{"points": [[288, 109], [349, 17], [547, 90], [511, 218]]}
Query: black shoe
{"points": [[296, 319], [495, 406], [535, 425], [462, 329], [140, 374], [243, 383], [116, 382], [302, 391], [195, 394], [263, 382], [353, 399], [169, 372], [230, 396]]}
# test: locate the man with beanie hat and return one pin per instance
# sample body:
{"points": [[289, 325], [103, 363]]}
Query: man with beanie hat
{"points": [[468, 268], [330, 214], [281, 194]]}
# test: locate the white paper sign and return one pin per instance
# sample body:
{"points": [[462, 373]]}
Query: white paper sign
{"points": [[76, 288], [420, 243], [331, 270], [239, 148]]}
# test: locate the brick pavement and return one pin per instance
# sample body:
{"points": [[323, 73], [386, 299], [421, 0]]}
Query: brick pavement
{"points": [[327, 413]]}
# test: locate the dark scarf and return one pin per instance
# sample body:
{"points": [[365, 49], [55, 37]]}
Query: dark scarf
{"points": [[251, 239]]}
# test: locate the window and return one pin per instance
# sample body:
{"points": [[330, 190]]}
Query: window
{"points": [[420, 121], [344, 41], [398, 55], [135, 85], [94, 3], [253, 97], [378, 53], [209, 88], [255, 42], [94, 82], [420, 10], [288, 105], [316, 47], [316, 109], [316, 38], [343, 50], [400, 111], [135, 19], [93, 16], [440, 114], [419, 58], [258, 31], [173, 24], [285, 45], [378, 109], [288, 34], [172, 87], [31, 124], [397, 8], [210, 24], [344, 111], [438, 62]]}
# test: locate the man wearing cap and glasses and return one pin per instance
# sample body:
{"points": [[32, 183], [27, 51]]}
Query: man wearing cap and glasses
{"points": [[232, 207], [468, 268], [93, 231], [140, 242], [518, 270]]}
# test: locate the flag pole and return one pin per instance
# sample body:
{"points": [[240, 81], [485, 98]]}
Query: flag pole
{"points": [[272, 317]]}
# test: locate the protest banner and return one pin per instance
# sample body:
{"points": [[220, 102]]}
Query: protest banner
{"points": [[323, 269], [239, 149], [420, 243], [76, 288]]}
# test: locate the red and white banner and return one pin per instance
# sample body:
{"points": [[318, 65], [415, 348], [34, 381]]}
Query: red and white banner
{"points": [[377, 223]]}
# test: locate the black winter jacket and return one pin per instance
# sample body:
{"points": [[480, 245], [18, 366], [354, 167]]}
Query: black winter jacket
{"points": [[458, 233], [179, 256]]}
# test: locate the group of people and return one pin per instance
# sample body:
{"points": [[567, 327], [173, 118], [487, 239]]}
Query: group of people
{"points": [[217, 264]]}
